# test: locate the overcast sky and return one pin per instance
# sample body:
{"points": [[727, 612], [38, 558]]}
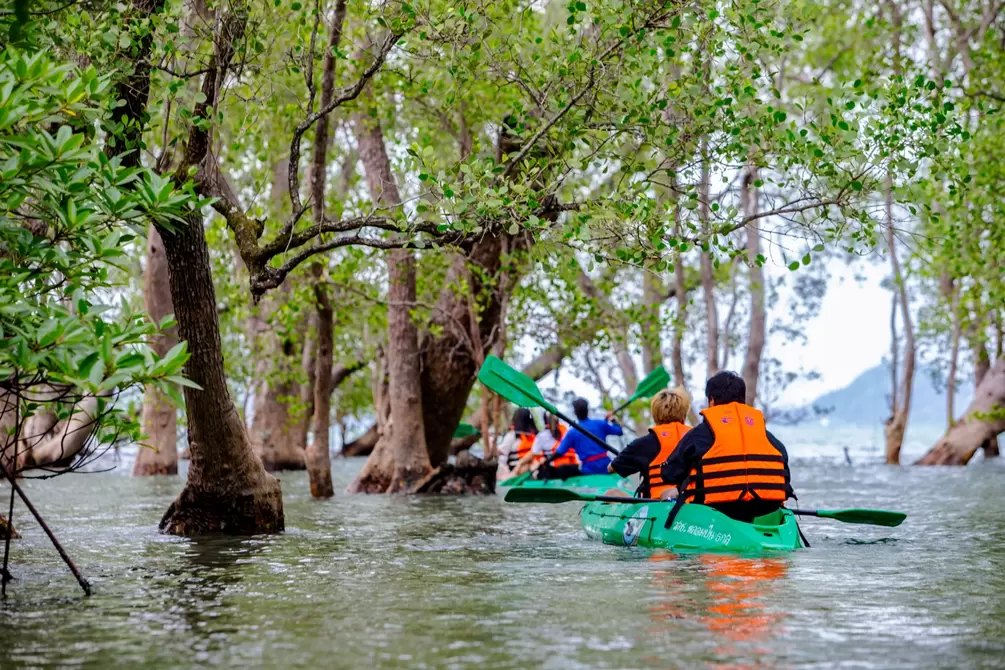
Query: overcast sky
{"points": [[850, 335]]}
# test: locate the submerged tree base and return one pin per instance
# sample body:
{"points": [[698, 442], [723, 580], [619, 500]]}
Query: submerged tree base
{"points": [[292, 462], [5, 527], [468, 476], [249, 512], [150, 468]]}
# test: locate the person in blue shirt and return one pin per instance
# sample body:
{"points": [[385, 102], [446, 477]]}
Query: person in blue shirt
{"points": [[593, 458]]}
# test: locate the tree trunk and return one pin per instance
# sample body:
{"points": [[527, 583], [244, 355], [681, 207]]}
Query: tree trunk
{"points": [[159, 456], [982, 364], [362, 445], [707, 275], [319, 469], [228, 489], [546, 362], [896, 424], [278, 435], [968, 434], [399, 460], [274, 429], [758, 318], [310, 363], [652, 325], [7, 527], [46, 442], [467, 330]]}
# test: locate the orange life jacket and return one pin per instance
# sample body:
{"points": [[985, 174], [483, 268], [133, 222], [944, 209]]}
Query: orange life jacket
{"points": [[669, 435], [742, 465], [569, 457], [524, 442]]}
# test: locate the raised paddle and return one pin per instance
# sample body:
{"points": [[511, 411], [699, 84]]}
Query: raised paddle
{"points": [[653, 383], [521, 390], [875, 517]]}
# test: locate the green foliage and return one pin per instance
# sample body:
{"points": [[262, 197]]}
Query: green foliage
{"points": [[68, 219]]}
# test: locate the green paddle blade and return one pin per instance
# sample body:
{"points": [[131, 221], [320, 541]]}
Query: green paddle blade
{"points": [[465, 430], [545, 495], [653, 383], [512, 384], [875, 517]]}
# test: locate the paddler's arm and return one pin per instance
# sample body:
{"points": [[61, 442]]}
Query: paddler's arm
{"points": [[636, 456], [612, 427]]}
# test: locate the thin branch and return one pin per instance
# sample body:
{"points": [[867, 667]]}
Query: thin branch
{"points": [[345, 95]]}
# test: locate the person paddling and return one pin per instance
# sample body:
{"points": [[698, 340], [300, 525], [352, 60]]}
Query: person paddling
{"points": [[646, 454], [541, 458], [517, 442], [730, 461], [592, 458]]}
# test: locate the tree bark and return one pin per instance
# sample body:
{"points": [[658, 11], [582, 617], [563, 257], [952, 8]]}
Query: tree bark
{"points": [[652, 326], [274, 427], [318, 456], [707, 275], [278, 435], [467, 329], [362, 445], [399, 460], [758, 318], [159, 455], [228, 489], [44, 442], [7, 527], [968, 434], [900, 409]]}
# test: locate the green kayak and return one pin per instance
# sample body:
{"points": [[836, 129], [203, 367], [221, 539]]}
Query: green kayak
{"points": [[600, 482], [697, 528]]}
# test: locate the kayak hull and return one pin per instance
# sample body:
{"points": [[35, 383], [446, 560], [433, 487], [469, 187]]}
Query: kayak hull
{"points": [[600, 482], [696, 529]]}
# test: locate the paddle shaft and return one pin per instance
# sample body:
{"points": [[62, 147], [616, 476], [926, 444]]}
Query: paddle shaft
{"points": [[624, 405]]}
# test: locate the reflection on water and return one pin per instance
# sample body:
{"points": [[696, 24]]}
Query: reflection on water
{"points": [[732, 599], [388, 582]]}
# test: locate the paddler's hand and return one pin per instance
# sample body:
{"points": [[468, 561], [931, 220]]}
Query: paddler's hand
{"points": [[669, 494], [610, 417]]}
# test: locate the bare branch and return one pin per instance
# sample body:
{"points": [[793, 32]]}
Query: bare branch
{"points": [[345, 95]]}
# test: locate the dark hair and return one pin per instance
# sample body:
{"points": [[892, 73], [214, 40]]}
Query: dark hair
{"points": [[725, 387], [523, 421], [581, 409]]}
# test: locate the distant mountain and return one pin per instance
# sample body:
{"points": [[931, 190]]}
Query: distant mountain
{"points": [[866, 400]]}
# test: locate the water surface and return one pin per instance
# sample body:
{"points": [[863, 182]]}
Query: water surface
{"points": [[381, 582]]}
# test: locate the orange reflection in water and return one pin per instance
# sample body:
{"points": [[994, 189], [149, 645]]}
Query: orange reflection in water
{"points": [[734, 601]]}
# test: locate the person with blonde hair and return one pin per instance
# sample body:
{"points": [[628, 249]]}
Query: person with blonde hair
{"points": [[669, 408]]}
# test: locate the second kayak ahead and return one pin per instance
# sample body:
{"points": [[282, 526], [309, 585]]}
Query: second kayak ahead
{"points": [[600, 482], [696, 528]]}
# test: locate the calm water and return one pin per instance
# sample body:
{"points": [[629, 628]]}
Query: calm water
{"points": [[363, 582]]}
